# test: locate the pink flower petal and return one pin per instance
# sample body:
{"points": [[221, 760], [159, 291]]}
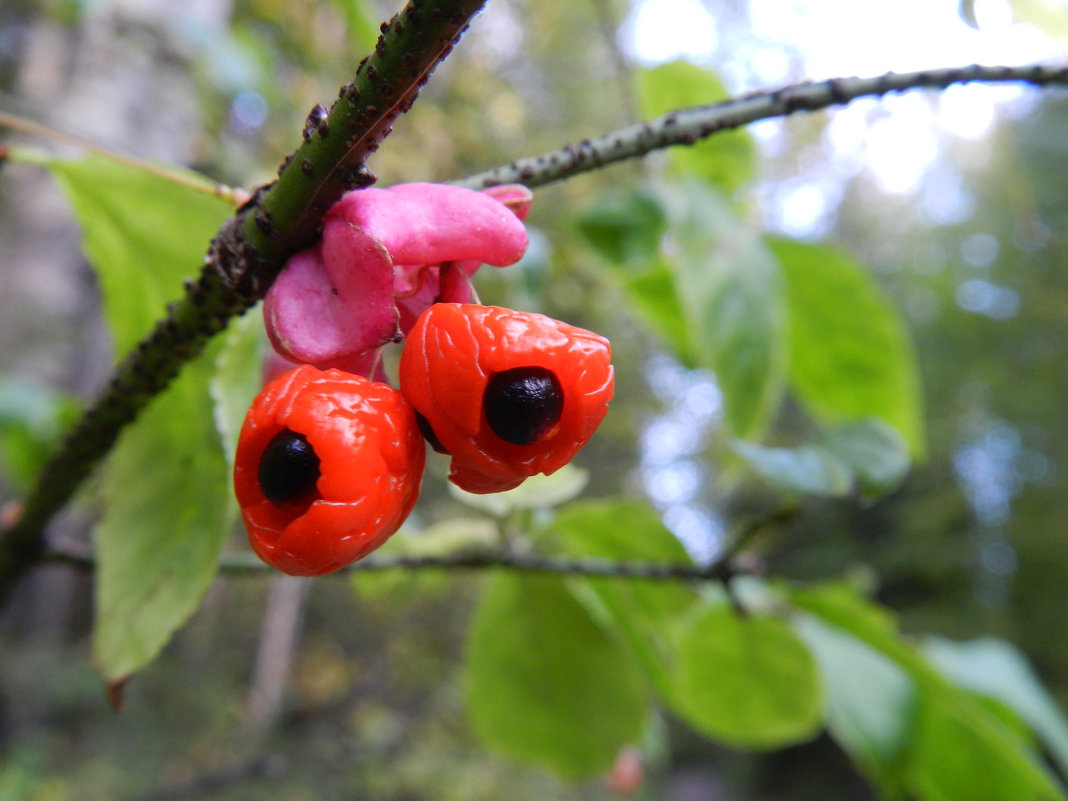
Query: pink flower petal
{"points": [[333, 302], [424, 223]]}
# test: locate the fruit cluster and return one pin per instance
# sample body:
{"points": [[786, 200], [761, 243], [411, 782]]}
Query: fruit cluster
{"points": [[330, 457]]}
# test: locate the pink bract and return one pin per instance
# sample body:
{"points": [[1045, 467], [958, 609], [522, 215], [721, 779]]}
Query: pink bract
{"points": [[385, 255]]}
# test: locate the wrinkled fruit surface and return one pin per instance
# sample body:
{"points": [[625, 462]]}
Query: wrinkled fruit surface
{"points": [[328, 466], [507, 394]]}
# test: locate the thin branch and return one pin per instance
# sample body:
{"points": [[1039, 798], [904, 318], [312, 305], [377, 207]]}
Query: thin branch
{"points": [[249, 251], [690, 125], [722, 569]]}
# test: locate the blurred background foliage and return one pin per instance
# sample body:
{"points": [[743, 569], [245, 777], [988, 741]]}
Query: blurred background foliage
{"points": [[348, 688]]}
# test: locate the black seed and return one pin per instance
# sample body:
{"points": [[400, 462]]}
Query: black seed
{"points": [[428, 433], [289, 468], [523, 404]]}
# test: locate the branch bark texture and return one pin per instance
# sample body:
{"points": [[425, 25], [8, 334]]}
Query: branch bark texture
{"points": [[690, 125], [249, 251]]}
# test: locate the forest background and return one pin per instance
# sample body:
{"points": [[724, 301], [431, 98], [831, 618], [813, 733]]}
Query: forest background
{"points": [[936, 218]]}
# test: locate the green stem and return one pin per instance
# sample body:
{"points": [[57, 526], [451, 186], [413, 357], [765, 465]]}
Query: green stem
{"points": [[690, 125], [248, 252]]}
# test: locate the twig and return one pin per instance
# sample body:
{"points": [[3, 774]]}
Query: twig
{"points": [[249, 251], [687, 126], [722, 569]]}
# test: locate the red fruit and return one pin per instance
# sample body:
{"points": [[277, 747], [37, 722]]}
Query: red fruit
{"points": [[328, 467], [507, 394]]}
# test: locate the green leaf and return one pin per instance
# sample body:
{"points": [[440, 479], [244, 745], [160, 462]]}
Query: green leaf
{"points": [[361, 22], [238, 377], [871, 702], [950, 759], [866, 455], [644, 612], [873, 451], [727, 160], [849, 352], [546, 683], [168, 510], [168, 505], [142, 233], [32, 418], [1049, 17], [959, 738], [748, 681], [625, 227], [653, 296], [809, 469], [996, 669], [730, 292]]}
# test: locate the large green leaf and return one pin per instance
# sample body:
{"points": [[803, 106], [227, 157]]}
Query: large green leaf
{"points": [[546, 683], [167, 494], [168, 510], [950, 759], [746, 680], [727, 160], [996, 669], [958, 738], [850, 355], [729, 289], [142, 233], [871, 702], [644, 612]]}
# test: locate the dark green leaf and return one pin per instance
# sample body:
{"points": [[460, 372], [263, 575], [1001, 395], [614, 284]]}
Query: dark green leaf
{"points": [[850, 355], [727, 160], [748, 681], [546, 683]]}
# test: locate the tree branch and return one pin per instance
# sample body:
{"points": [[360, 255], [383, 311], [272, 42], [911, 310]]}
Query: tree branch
{"points": [[249, 251], [690, 125], [724, 568]]}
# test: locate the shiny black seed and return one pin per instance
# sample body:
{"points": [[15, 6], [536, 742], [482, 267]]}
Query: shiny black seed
{"points": [[289, 468], [428, 433], [523, 404]]}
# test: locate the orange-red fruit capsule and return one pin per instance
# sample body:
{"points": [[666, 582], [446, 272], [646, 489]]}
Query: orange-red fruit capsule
{"points": [[328, 467], [506, 393]]}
